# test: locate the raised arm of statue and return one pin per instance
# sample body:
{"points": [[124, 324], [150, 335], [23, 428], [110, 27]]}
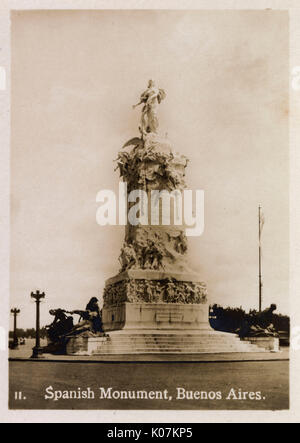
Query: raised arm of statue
{"points": [[138, 104]]}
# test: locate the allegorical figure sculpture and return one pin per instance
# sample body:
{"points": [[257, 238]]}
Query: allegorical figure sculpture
{"points": [[62, 328], [61, 325], [93, 307], [261, 325], [151, 99]]}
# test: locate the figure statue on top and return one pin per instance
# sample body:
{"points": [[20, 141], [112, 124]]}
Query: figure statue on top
{"points": [[151, 98]]}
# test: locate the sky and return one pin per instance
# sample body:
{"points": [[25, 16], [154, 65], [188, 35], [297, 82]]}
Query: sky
{"points": [[75, 77]]}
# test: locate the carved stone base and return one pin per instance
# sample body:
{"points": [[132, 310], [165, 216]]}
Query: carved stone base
{"points": [[146, 286], [155, 316]]}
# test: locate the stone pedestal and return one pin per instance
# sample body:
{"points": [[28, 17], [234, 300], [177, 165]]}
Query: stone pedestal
{"points": [[267, 343], [142, 317], [140, 300], [84, 345]]}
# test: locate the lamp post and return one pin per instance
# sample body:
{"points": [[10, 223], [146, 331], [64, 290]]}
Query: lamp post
{"points": [[37, 350], [15, 312]]}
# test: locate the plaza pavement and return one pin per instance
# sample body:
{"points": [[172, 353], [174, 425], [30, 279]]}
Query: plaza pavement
{"points": [[63, 373]]}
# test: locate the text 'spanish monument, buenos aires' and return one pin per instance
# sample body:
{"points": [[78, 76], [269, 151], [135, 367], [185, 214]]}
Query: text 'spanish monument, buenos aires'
{"points": [[156, 304]]}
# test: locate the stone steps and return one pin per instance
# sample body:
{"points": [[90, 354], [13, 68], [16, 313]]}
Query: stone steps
{"points": [[174, 337], [184, 348], [175, 350], [169, 343], [166, 348], [182, 343], [173, 343]]}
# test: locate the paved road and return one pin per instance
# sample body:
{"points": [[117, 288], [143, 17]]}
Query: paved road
{"points": [[25, 351], [32, 378]]}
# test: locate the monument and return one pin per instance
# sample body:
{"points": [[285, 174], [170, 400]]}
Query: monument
{"points": [[156, 304], [155, 289]]}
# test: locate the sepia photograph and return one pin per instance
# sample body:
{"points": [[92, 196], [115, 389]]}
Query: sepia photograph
{"points": [[149, 210]]}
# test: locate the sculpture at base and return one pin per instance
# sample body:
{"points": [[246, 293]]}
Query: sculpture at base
{"points": [[63, 328], [61, 325], [259, 326]]}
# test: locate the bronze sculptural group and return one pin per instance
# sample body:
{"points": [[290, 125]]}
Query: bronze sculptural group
{"points": [[259, 326], [63, 327]]}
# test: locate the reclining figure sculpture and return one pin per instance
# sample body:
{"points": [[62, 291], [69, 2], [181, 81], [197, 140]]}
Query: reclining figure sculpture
{"points": [[259, 326], [62, 328]]}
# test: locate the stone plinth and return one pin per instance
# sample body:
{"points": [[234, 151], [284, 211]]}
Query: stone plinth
{"points": [[149, 300], [268, 343], [84, 345], [155, 316]]}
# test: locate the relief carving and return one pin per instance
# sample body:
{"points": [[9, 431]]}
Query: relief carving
{"points": [[155, 291]]}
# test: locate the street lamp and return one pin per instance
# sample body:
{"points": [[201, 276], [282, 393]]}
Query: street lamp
{"points": [[15, 344], [37, 350]]}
